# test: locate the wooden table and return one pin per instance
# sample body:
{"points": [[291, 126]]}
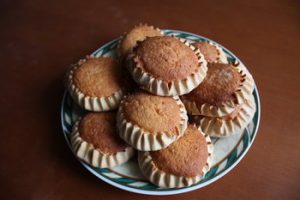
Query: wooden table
{"points": [[39, 39]]}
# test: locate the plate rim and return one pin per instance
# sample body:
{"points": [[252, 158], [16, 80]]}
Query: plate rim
{"points": [[179, 190]]}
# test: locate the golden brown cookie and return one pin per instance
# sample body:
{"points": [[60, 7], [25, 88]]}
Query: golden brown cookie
{"points": [[181, 164], [95, 140], [212, 53], [149, 122], [138, 33], [224, 86], [166, 66], [96, 84]]}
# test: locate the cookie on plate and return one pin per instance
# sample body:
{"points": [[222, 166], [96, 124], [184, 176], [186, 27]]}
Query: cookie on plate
{"points": [[166, 66], [96, 84], [181, 164], [138, 33], [95, 140], [223, 89], [211, 52], [149, 123], [230, 124]]}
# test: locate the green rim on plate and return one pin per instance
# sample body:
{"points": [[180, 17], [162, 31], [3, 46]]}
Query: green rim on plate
{"points": [[122, 176]]}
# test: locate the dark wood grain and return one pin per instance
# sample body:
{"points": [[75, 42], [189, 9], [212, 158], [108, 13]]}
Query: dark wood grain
{"points": [[39, 39]]}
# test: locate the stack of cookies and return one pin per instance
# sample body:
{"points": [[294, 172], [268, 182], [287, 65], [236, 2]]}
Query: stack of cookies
{"points": [[163, 98]]}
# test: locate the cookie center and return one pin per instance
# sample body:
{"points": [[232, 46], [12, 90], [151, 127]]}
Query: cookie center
{"points": [[99, 129], [153, 113], [166, 58], [219, 85], [185, 157], [98, 77]]}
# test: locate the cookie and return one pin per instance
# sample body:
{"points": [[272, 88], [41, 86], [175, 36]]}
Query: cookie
{"points": [[224, 87], [148, 122], [96, 84], [181, 164], [95, 140], [166, 66]]}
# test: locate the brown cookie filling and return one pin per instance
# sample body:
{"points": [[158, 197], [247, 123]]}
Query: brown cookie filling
{"points": [[98, 77], [185, 157], [165, 58], [100, 130], [219, 85], [152, 113]]}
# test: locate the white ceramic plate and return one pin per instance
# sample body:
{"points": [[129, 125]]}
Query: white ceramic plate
{"points": [[228, 151]]}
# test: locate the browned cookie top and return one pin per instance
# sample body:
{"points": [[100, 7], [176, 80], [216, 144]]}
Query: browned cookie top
{"points": [[166, 58], [98, 77], [100, 130], [152, 113], [219, 85], [185, 157]]}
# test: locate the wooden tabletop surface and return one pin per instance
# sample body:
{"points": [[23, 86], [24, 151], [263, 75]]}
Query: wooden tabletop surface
{"points": [[39, 39]]}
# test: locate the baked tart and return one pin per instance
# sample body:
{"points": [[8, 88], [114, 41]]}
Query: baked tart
{"points": [[96, 83], [149, 123], [95, 140], [181, 164], [166, 66]]}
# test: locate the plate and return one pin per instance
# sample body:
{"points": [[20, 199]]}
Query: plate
{"points": [[228, 151]]}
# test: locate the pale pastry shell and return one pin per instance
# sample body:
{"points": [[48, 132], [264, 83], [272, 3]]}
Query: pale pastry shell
{"points": [[86, 151], [222, 55], [207, 109], [217, 127], [167, 180], [142, 139], [163, 88], [92, 103], [245, 90]]}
